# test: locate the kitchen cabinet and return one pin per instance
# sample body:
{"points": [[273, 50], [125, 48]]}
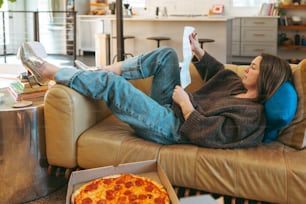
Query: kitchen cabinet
{"points": [[291, 29], [236, 24], [252, 36], [258, 36]]}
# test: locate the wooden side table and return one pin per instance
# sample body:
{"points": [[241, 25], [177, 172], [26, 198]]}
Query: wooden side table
{"points": [[23, 166]]}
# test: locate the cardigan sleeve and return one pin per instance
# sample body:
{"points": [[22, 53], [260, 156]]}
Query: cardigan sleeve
{"points": [[208, 66]]}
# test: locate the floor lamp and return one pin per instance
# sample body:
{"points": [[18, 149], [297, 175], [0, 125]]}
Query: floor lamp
{"points": [[119, 31]]}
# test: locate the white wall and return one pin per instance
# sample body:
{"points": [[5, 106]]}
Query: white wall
{"points": [[193, 7], [173, 7], [197, 7], [185, 7]]}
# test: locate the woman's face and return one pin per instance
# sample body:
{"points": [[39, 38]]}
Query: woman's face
{"points": [[251, 74]]}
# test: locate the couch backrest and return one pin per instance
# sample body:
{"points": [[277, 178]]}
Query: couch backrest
{"points": [[294, 134], [145, 84]]}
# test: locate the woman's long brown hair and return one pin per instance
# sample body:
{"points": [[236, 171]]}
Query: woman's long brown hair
{"points": [[273, 72]]}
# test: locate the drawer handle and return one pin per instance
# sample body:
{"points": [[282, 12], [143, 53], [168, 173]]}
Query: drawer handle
{"points": [[258, 50], [259, 22], [259, 35]]}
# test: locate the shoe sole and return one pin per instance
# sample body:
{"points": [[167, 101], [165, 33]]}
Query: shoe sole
{"points": [[81, 65]]}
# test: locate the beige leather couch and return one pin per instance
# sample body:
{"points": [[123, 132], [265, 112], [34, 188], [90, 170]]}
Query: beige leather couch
{"points": [[81, 132]]}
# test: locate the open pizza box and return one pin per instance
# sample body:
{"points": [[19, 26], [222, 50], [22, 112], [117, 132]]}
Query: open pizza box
{"points": [[150, 169]]}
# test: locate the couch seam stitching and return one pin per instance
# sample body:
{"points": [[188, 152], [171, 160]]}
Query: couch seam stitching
{"points": [[195, 167], [236, 177], [286, 173]]}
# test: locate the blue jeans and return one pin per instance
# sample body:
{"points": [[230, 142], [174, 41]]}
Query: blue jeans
{"points": [[150, 116]]}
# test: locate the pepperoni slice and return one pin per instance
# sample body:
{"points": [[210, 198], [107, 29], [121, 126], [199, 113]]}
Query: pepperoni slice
{"points": [[159, 200], [139, 182], [128, 184], [107, 181], [110, 195], [86, 201], [91, 187], [127, 192], [132, 197], [109, 192], [102, 201], [142, 197], [149, 188], [120, 181], [117, 187]]}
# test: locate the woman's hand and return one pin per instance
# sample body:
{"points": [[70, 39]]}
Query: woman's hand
{"points": [[195, 46], [194, 41], [182, 99]]}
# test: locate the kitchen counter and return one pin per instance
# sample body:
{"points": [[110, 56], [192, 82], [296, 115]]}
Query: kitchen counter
{"points": [[174, 17], [179, 18], [218, 28]]}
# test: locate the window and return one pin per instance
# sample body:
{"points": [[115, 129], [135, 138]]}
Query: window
{"points": [[5, 26], [249, 3]]}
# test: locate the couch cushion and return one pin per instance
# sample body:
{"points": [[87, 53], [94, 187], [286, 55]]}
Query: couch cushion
{"points": [[112, 142], [239, 172], [280, 110], [294, 134]]}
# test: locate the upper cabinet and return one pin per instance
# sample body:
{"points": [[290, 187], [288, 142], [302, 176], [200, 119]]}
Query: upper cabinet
{"points": [[292, 27]]}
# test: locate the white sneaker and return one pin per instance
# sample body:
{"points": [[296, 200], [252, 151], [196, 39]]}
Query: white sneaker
{"points": [[81, 65]]}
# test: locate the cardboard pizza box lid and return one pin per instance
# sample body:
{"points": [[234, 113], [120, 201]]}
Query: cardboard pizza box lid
{"points": [[149, 168]]}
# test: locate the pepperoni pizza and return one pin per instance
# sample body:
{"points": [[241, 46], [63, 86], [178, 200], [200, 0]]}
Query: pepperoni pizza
{"points": [[123, 188]]}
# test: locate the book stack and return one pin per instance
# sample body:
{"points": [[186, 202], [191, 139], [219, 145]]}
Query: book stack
{"points": [[267, 9], [24, 89]]}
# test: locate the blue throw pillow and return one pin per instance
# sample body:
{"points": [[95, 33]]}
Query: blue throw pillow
{"points": [[280, 110]]}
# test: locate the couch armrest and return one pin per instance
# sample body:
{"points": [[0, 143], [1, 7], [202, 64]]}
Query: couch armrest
{"points": [[67, 114]]}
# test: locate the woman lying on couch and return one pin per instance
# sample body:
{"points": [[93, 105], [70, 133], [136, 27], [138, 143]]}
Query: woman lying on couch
{"points": [[227, 112]]}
